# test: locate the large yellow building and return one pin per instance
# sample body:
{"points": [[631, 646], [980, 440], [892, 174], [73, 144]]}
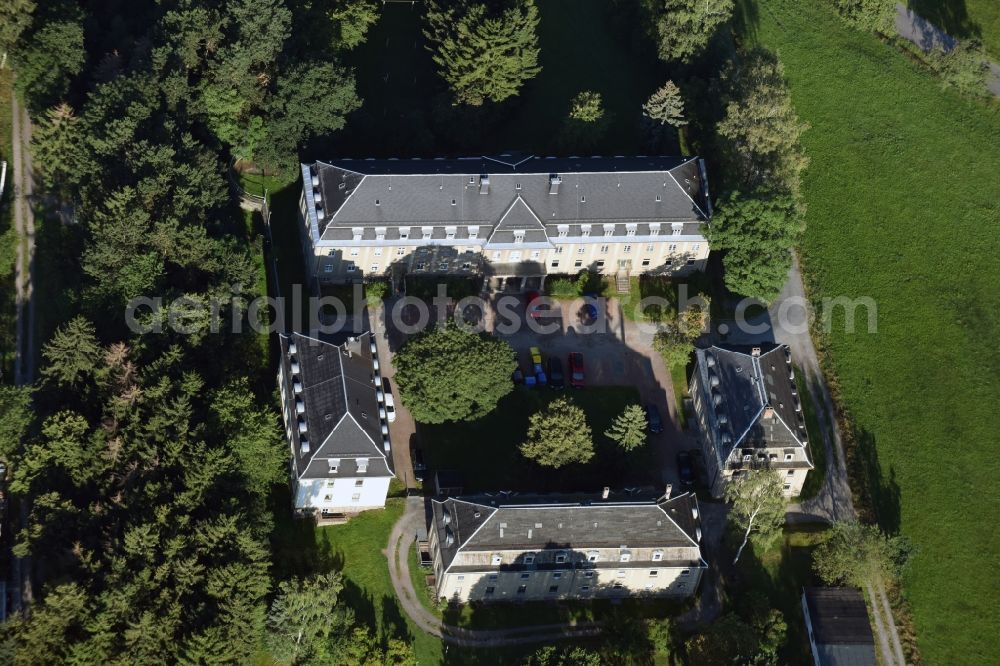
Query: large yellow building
{"points": [[504, 216], [516, 548]]}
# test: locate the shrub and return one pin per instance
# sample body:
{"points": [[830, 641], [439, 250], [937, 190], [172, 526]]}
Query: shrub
{"points": [[964, 68]]}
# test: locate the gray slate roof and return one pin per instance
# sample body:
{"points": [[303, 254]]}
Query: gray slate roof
{"points": [[341, 407], [748, 387], [488, 523], [840, 626], [370, 193]]}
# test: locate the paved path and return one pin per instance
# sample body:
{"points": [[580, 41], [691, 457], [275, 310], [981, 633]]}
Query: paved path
{"points": [[402, 536], [24, 362], [915, 28], [786, 319]]}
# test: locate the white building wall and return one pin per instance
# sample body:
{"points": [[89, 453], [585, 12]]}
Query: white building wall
{"points": [[537, 585], [342, 495]]}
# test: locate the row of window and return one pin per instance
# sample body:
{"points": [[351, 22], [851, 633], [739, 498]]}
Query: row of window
{"points": [[426, 233]]}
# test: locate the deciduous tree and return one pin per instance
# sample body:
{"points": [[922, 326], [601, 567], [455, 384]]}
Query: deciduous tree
{"points": [[452, 375], [757, 233], [860, 555], [628, 429], [558, 435], [15, 19], [758, 508], [485, 51], [760, 130], [48, 60], [875, 15], [352, 19], [684, 27]]}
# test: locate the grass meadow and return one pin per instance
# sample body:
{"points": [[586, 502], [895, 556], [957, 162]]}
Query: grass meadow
{"points": [[904, 201]]}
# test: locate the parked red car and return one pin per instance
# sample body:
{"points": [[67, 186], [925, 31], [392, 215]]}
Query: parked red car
{"points": [[535, 307], [576, 369]]}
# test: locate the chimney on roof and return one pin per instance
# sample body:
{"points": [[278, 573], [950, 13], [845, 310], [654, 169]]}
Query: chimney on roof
{"points": [[605, 492], [755, 351], [669, 489], [554, 181], [768, 412]]}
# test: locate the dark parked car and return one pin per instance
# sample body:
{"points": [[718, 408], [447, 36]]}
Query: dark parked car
{"points": [[590, 311], [653, 419], [685, 468], [417, 458], [556, 378], [576, 370]]}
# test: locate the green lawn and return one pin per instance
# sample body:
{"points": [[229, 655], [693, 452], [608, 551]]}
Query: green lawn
{"points": [[357, 549], [485, 452], [585, 45], [257, 184], [964, 18], [903, 195]]}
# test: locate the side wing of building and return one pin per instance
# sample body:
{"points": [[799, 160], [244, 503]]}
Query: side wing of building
{"points": [[334, 414], [565, 549]]}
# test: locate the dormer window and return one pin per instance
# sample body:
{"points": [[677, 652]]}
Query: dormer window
{"points": [[449, 232], [654, 229], [404, 233], [609, 230], [657, 555], [630, 229], [473, 233], [585, 230], [334, 465], [625, 556], [676, 228], [357, 232], [497, 560], [427, 232], [362, 465], [518, 236], [529, 559], [380, 233], [592, 556], [563, 230]]}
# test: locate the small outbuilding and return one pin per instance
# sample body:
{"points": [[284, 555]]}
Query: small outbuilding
{"points": [[839, 631]]}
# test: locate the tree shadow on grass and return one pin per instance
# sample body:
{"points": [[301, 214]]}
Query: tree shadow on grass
{"points": [[952, 16], [293, 542], [393, 623], [877, 493]]}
